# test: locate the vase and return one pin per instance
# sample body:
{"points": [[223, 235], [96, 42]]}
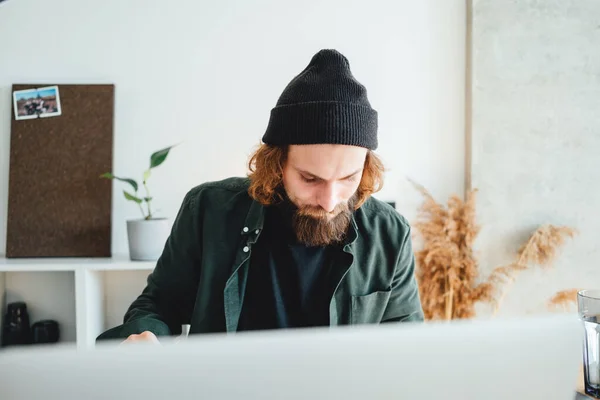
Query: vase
{"points": [[147, 238]]}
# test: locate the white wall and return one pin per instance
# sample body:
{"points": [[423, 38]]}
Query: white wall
{"points": [[121, 288], [235, 57]]}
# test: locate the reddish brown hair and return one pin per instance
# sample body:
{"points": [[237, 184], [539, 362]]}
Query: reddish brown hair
{"points": [[266, 175]]}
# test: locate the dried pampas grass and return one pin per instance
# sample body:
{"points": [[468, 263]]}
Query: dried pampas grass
{"points": [[447, 270], [540, 249], [563, 299]]}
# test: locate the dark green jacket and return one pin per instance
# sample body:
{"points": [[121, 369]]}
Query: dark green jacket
{"points": [[201, 275]]}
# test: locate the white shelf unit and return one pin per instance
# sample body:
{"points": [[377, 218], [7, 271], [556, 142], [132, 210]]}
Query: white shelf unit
{"points": [[84, 295]]}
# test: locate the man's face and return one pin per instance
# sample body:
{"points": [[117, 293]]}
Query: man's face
{"points": [[321, 181]]}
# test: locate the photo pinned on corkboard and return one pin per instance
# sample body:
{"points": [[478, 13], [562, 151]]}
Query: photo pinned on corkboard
{"points": [[40, 102]]}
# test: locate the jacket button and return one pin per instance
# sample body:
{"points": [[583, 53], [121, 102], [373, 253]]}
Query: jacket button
{"points": [[256, 231], [245, 229], [246, 248]]}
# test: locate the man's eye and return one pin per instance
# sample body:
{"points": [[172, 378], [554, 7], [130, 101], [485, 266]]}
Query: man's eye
{"points": [[308, 180]]}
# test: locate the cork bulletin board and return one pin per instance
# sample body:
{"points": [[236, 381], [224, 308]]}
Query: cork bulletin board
{"points": [[57, 205]]}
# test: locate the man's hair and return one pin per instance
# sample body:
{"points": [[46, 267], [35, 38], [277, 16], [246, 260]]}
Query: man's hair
{"points": [[266, 175]]}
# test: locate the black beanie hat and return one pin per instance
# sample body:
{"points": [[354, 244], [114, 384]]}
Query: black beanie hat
{"points": [[323, 104]]}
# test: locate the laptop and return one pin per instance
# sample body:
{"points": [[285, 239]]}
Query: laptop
{"points": [[526, 358]]}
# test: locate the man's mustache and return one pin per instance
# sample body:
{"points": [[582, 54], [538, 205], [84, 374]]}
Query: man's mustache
{"points": [[317, 212]]}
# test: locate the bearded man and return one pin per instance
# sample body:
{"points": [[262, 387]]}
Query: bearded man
{"points": [[299, 242]]}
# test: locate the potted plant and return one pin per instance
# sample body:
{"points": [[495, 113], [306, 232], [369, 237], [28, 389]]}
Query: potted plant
{"points": [[147, 235]]}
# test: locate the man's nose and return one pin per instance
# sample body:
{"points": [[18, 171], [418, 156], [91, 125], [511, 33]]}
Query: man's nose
{"points": [[328, 198]]}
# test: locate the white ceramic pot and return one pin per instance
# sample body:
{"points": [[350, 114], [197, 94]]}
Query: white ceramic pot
{"points": [[147, 238]]}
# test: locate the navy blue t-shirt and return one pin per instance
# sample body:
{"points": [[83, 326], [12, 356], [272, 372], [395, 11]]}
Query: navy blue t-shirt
{"points": [[289, 284]]}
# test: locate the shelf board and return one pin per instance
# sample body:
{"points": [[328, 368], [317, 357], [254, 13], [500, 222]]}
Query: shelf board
{"points": [[115, 263]]}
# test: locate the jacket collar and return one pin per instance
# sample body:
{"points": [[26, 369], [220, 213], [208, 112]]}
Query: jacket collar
{"points": [[352, 231], [255, 219]]}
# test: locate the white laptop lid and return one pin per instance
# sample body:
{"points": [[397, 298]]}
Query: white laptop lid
{"points": [[534, 358]]}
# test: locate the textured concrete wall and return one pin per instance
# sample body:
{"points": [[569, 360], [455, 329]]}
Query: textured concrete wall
{"points": [[536, 138]]}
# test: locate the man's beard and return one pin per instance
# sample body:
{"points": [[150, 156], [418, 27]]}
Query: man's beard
{"points": [[313, 227]]}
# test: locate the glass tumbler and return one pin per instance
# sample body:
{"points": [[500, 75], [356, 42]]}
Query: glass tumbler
{"points": [[588, 304]]}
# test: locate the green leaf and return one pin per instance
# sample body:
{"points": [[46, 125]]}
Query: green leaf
{"points": [[159, 157], [133, 183], [146, 175], [147, 199], [131, 197]]}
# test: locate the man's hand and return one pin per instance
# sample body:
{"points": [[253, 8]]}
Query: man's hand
{"points": [[144, 337]]}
